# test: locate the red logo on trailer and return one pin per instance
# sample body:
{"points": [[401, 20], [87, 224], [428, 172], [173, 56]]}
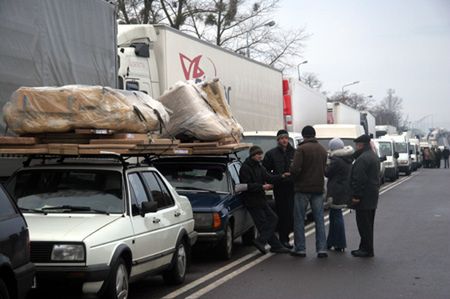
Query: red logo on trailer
{"points": [[194, 68]]}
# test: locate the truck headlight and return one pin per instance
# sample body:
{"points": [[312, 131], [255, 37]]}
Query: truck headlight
{"points": [[203, 220], [68, 252]]}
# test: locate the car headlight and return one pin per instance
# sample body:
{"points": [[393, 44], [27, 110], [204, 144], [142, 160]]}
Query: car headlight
{"points": [[203, 220], [68, 252]]}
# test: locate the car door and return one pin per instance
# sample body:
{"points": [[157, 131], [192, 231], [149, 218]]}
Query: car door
{"points": [[242, 219], [168, 211], [148, 252]]}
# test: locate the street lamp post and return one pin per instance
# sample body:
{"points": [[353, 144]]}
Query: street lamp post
{"points": [[298, 69], [268, 24], [345, 85]]}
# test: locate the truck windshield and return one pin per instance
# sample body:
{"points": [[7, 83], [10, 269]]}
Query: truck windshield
{"points": [[401, 147], [385, 148], [75, 191], [200, 177]]}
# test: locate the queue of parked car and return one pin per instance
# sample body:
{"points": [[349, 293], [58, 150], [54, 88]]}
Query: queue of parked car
{"points": [[99, 224]]}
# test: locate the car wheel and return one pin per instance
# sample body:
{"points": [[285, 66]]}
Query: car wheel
{"points": [[408, 172], [225, 246], [4, 294], [249, 236], [177, 272], [117, 287]]}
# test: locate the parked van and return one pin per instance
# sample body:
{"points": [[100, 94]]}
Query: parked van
{"points": [[401, 146], [386, 147], [416, 155], [267, 140]]}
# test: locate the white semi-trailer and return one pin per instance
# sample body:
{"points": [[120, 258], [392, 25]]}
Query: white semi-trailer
{"points": [[154, 57]]}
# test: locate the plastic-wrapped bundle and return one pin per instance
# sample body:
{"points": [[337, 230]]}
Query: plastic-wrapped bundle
{"points": [[63, 109], [199, 112]]}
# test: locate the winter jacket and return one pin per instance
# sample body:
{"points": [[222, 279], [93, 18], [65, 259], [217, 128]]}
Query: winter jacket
{"points": [[277, 161], [445, 153], [308, 167], [338, 173], [365, 181], [255, 176]]}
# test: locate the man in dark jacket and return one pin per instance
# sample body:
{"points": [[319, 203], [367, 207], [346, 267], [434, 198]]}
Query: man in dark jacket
{"points": [[365, 187], [277, 161], [438, 158], [445, 155], [308, 170], [258, 180]]}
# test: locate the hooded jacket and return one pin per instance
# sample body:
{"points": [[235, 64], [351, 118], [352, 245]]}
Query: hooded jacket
{"points": [[365, 182], [338, 173], [308, 167], [255, 176]]}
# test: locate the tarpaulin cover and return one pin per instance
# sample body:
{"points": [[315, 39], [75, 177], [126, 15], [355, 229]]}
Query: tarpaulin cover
{"points": [[63, 109], [199, 111], [56, 43]]}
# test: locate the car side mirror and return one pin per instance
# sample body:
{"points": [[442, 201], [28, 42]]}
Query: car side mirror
{"points": [[396, 155], [382, 159], [148, 207]]}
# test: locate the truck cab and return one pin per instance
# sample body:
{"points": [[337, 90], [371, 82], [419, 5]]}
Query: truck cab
{"points": [[386, 146], [401, 146]]}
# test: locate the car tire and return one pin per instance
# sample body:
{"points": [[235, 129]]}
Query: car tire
{"points": [[4, 294], [118, 285], [408, 172], [225, 246], [249, 236], [177, 272]]}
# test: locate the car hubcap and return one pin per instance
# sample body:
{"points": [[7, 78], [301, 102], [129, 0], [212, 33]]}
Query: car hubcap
{"points": [[122, 282], [181, 260]]}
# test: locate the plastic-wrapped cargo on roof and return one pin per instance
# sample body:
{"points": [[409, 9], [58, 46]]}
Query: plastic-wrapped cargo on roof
{"points": [[199, 112], [64, 109]]}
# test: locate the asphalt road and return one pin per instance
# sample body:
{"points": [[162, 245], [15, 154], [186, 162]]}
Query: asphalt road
{"points": [[411, 248]]}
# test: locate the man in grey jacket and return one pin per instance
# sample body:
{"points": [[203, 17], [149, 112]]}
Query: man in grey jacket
{"points": [[365, 187]]}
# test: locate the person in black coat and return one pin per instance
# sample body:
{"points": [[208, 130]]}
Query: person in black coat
{"points": [[445, 155], [277, 161], [257, 181], [338, 191], [365, 188]]}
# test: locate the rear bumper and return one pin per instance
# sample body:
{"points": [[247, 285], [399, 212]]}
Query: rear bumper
{"points": [[24, 276], [210, 237]]}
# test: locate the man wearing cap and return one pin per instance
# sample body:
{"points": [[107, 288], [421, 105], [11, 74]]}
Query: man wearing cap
{"points": [[257, 181], [308, 171], [277, 161], [365, 187]]}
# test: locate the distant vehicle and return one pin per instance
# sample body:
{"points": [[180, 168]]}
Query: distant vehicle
{"points": [[209, 183], [155, 57], [338, 113], [16, 269], [382, 130], [98, 224], [386, 148], [302, 105], [346, 132], [401, 146], [267, 140], [368, 123], [381, 155], [416, 155]]}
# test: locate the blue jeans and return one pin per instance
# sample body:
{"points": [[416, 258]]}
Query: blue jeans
{"points": [[300, 204], [336, 232]]}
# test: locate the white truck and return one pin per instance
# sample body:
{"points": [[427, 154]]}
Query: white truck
{"points": [[368, 122], [154, 57], [302, 105], [382, 130], [338, 113], [402, 147]]}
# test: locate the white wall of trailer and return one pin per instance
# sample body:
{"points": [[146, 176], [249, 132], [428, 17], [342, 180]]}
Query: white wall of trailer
{"points": [[309, 107], [344, 114]]}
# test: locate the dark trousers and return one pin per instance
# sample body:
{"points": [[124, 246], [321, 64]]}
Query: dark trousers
{"points": [[336, 233], [365, 220], [446, 163], [265, 221], [438, 163], [284, 207]]}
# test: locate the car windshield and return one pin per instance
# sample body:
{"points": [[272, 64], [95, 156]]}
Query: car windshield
{"points": [[77, 191], [401, 147], [347, 142], [200, 177], [385, 148]]}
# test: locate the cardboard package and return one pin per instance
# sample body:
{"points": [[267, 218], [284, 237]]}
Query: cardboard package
{"points": [[64, 109]]}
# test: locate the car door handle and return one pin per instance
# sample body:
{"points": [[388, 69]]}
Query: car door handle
{"points": [[156, 220], [177, 214]]}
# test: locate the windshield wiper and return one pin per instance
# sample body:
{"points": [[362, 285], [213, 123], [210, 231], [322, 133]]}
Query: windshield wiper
{"points": [[27, 210], [199, 189], [70, 208]]}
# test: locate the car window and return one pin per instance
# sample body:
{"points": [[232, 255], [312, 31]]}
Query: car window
{"points": [[90, 190], [157, 189], [6, 207], [234, 173], [137, 190]]}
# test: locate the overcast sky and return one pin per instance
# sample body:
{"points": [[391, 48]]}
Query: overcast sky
{"points": [[399, 44]]}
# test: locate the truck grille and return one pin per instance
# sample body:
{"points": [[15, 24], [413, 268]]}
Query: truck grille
{"points": [[41, 252]]}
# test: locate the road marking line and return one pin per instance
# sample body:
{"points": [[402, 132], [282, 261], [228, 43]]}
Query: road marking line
{"points": [[310, 229]]}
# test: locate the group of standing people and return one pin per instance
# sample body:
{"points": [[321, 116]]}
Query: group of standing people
{"points": [[297, 179], [432, 157]]}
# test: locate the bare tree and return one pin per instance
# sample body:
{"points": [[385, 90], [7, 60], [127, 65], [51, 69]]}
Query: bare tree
{"points": [[354, 100], [389, 111], [312, 81]]}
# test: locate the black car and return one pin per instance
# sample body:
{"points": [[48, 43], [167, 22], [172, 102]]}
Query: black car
{"points": [[16, 270], [209, 184]]}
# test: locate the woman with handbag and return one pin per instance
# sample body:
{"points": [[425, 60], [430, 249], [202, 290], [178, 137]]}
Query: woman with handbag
{"points": [[338, 191]]}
